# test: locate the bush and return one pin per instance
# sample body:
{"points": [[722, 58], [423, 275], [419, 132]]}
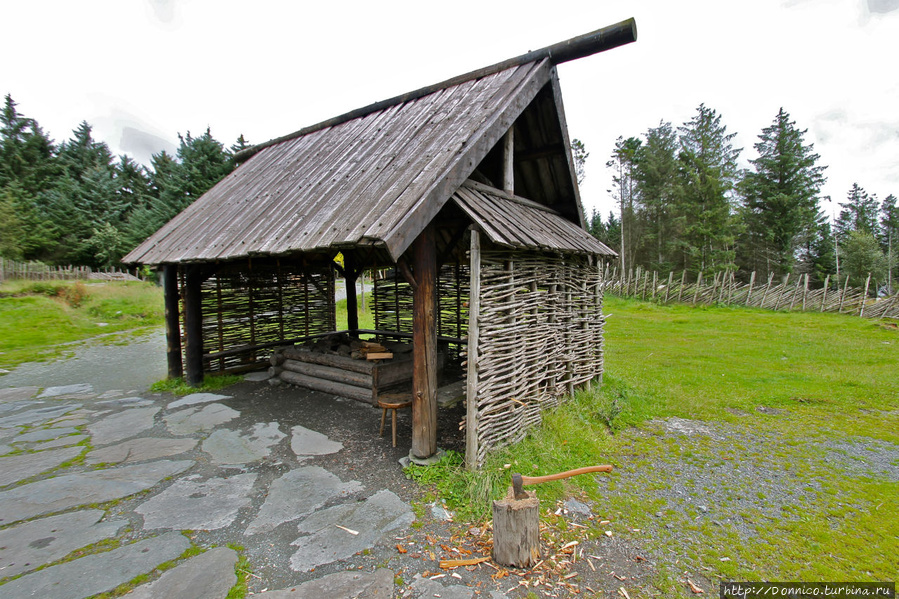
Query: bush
{"points": [[75, 295]]}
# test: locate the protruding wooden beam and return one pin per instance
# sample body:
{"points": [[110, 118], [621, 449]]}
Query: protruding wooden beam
{"points": [[172, 321], [424, 345], [581, 46]]}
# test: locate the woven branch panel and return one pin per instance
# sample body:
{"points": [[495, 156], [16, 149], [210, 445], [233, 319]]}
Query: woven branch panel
{"points": [[541, 333], [250, 304], [393, 303]]}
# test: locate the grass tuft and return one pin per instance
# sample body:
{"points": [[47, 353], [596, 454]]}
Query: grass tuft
{"points": [[210, 383]]}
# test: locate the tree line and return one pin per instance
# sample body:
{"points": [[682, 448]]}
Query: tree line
{"points": [[76, 203], [684, 204]]}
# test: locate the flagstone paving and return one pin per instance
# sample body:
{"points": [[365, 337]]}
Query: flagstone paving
{"points": [[97, 488], [25, 546]]}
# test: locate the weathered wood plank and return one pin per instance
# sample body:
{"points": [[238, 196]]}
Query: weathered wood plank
{"points": [[332, 360], [330, 373], [317, 384]]}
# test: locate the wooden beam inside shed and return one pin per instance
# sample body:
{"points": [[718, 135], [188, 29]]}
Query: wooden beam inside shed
{"points": [[424, 345]]}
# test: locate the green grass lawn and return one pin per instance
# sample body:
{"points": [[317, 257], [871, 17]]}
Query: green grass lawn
{"points": [[705, 362], [36, 318]]}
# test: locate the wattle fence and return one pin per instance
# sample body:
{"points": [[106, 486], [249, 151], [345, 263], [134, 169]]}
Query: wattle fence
{"points": [[835, 295], [38, 271]]}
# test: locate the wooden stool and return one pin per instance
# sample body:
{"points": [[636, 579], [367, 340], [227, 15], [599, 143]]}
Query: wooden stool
{"points": [[392, 401]]}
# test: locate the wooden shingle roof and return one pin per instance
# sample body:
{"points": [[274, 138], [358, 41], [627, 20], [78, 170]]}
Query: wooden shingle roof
{"points": [[376, 179]]}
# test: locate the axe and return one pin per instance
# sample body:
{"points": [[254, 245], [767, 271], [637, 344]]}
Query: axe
{"points": [[518, 481], [516, 519]]}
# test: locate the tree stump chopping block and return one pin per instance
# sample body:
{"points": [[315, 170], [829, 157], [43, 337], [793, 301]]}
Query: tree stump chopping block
{"points": [[516, 530]]}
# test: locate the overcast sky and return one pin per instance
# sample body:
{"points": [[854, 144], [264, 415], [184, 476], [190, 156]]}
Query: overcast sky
{"points": [[141, 71]]}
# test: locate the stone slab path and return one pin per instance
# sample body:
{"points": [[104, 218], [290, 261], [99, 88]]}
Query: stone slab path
{"points": [[97, 489]]}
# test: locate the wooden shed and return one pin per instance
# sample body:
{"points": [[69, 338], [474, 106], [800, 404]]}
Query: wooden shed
{"points": [[462, 196]]}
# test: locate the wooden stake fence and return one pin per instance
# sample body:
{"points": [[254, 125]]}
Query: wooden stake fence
{"points": [[834, 296], [10, 270]]}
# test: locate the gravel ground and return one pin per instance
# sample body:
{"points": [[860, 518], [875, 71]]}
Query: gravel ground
{"points": [[690, 484]]}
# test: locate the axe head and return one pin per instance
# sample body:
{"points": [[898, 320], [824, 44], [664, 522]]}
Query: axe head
{"points": [[517, 489]]}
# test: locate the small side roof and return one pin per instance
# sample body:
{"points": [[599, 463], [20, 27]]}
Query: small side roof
{"points": [[520, 223]]}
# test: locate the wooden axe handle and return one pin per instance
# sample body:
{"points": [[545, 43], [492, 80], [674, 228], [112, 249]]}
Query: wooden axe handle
{"points": [[533, 480]]}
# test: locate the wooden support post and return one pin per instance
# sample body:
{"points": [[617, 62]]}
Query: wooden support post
{"points": [[172, 321], [352, 307], [861, 309], [767, 289], [509, 161], [698, 287], [193, 326], [824, 296], [471, 375], [749, 293], [516, 530], [843, 295], [424, 345]]}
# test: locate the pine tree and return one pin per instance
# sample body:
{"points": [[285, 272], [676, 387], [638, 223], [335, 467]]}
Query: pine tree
{"points": [[176, 182], [889, 238], [28, 166], [657, 176], [859, 213], [623, 162], [10, 227], [817, 256], [579, 154], [708, 173], [781, 196]]}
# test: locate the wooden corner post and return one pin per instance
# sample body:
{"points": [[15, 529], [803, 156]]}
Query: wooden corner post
{"points": [[193, 325], [172, 321], [471, 382], [424, 345]]}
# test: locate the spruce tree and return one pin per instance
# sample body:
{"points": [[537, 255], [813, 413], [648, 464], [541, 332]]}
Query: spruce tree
{"points": [[579, 154], [657, 176], [781, 196], [623, 163], [177, 181], [889, 238], [28, 167], [859, 213], [704, 211]]}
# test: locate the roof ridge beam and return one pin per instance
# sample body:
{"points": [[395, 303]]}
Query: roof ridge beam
{"points": [[606, 38]]}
